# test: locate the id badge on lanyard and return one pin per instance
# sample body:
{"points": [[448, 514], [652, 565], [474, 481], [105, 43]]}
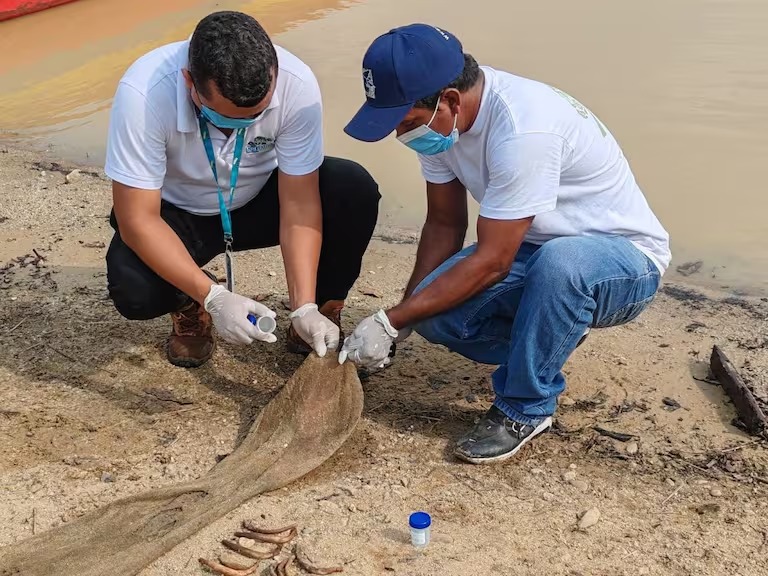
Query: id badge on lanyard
{"points": [[226, 221]]}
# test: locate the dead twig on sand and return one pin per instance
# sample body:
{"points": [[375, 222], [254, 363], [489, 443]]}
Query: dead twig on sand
{"points": [[668, 498], [707, 380], [224, 571], [620, 436], [740, 446], [251, 525], [34, 520], [281, 568], [17, 325], [250, 552], [269, 538], [60, 353], [253, 532], [308, 566]]}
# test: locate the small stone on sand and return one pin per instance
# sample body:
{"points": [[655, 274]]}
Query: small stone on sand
{"points": [[589, 518]]}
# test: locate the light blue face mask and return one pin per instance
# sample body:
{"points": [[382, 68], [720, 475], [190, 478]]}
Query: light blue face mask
{"points": [[426, 141], [225, 121]]}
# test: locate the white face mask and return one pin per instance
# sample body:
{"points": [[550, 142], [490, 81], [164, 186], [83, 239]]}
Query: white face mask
{"points": [[424, 140]]}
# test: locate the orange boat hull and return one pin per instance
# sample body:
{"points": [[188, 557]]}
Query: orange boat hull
{"points": [[14, 8]]}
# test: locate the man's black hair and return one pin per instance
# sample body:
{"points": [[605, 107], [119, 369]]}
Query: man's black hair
{"points": [[235, 52], [466, 80]]}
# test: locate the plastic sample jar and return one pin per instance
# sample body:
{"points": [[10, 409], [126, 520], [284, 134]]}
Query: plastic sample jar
{"points": [[420, 524], [264, 323]]}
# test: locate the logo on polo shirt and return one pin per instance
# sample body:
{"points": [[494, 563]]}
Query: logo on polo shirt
{"points": [[260, 144], [370, 88]]}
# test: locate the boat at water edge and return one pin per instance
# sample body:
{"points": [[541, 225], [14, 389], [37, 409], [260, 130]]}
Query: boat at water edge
{"points": [[15, 8]]}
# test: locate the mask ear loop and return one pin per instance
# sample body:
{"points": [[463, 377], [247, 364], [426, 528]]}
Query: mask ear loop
{"points": [[455, 116], [435, 112]]}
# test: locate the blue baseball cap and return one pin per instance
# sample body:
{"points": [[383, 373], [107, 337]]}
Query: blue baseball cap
{"points": [[400, 68]]}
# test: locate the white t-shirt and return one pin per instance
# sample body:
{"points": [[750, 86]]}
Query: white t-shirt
{"points": [[154, 137], [535, 151]]}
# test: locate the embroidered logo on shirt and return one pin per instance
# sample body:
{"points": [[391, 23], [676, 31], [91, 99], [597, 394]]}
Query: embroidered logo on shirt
{"points": [[581, 109], [260, 144], [370, 88]]}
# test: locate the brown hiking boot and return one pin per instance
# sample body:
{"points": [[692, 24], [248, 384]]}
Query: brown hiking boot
{"points": [[332, 311], [191, 343]]}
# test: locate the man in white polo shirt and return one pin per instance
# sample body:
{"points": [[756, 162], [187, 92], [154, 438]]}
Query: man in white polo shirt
{"points": [[566, 239], [228, 107]]}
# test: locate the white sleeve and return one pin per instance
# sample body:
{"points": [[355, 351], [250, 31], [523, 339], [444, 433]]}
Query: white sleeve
{"points": [[524, 176], [299, 143], [435, 170], [135, 141]]}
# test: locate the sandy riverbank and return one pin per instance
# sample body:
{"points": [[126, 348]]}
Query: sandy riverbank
{"points": [[91, 411]]}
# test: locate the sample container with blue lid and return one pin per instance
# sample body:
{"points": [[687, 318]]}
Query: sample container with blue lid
{"points": [[264, 323], [420, 524]]}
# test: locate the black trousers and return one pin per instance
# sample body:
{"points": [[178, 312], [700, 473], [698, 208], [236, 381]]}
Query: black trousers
{"points": [[350, 199]]}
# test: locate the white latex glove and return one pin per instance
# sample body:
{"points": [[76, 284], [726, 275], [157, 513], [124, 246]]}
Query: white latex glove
{"points": [[230, 316], [369, 345], [403, 333], [315, 329]]}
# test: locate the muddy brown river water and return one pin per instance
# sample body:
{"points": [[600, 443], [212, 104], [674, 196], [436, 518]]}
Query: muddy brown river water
{"points": [[683, 85]]}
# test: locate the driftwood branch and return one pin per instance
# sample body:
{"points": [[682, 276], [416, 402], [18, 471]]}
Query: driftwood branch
{"points": [[746, 406]]}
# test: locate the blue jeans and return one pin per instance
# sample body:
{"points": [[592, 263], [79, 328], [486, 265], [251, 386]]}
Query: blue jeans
{"points": [[529, 323]]}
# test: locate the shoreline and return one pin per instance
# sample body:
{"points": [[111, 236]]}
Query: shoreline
{"points": [[387, 229]]}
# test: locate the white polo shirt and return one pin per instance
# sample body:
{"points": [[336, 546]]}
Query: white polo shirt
{"points": [[154, 136], [533, 150]]}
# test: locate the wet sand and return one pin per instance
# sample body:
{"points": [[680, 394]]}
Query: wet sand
{"points": [[682, 85]]}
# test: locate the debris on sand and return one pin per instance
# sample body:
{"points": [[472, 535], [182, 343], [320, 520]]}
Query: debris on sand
{"points": [[670, 404], [588, 518], [690, 268], [72, 176]]}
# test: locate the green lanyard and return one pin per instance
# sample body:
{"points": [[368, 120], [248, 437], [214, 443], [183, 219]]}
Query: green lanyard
{"points": [[224, 209]]}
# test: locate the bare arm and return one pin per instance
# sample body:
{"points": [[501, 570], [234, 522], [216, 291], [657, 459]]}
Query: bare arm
{"points": [[301, 234], [443, 232], [497, 246], [145, 232]]}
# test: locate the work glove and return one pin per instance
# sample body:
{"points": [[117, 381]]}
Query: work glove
{"points": [[230, 316], [370, 343], [315, 328]]}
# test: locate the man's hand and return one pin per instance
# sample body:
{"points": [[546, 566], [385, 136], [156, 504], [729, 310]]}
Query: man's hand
{"points": [[369, 345], [315, 329], [230, 316], [403, 333]]}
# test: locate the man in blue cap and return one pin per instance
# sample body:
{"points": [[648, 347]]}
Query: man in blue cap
{"points": [[566, 239]]}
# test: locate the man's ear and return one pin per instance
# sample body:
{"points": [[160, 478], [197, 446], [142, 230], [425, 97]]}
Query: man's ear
{"points": [[188, 78], [452, 98]]}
